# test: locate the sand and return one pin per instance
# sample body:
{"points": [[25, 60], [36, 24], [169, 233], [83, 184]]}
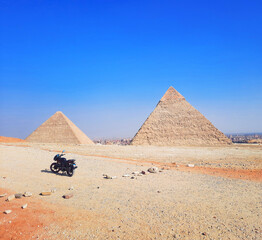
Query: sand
{"points": [[179, 203], [10, 139]]}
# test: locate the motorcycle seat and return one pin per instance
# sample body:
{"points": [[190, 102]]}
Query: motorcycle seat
{"points": [[71, 160]]}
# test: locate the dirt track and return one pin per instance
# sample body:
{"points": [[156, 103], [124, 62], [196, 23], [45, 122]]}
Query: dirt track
{"points": [[168, 205]]}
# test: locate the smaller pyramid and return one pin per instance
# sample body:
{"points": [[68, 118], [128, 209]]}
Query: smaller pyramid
{"points": [[58, 129]]}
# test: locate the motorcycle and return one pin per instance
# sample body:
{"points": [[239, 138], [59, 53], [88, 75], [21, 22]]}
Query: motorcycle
{"points": [[63, 165]]}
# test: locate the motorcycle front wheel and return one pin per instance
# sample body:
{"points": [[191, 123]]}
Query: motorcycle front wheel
{"points": [[54, 168], [70, 171]]}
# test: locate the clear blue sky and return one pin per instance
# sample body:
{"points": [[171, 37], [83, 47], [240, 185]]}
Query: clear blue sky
{"points": [[106, 64]]}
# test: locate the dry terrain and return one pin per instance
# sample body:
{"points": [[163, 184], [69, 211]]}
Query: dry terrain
{"points": [[219, 198]]}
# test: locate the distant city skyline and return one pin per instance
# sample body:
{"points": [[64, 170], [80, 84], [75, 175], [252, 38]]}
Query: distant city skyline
{"points": [[106, 65]]}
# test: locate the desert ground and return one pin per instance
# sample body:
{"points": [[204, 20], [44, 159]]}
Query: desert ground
{"points": [[219, 198]]}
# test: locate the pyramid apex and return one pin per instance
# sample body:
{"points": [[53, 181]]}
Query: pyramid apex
{"points": [[171, 94]]}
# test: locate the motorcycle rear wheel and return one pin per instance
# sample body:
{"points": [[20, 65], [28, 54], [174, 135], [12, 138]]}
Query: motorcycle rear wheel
{"points": [[54, 168], [70, 171]]}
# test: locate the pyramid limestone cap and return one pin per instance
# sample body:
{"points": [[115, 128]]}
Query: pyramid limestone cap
{"points": [[60, 113], [171, 95]]}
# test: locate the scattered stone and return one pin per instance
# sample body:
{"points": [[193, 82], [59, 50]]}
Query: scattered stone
{"points": [[67, 196], [158, 192], [126, 175], [45, 193], [132, 177], [24, 206], [53, 190], [160, 171], [71, 188], [10, 198], [191, 165], [153, 170], [109, 177], [98, 187], [7, 211], [3, 195], [204, 234], [18, 195], [28, 194], [135, 173], [143, 172], [4, 177]]}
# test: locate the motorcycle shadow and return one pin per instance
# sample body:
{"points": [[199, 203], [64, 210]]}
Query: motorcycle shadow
{"points": [[49, 171]]}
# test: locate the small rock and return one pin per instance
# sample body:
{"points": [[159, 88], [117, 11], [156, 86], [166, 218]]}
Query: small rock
{"points": [[109, 177], [158, 192], [71, 188], [132, 177], [10, 198], [18, 195], [4, 177], [135, 173], [53, 190], [67, 196], [45, 193], [160, 171], [153, 170], [27, 194], [3, 195], [7, 211], [143, 172], [24, 206], [190, 165], [204, 234], [126, 175]]}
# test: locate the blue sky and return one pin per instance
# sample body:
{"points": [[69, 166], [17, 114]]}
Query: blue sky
{"points": [[106, 64]]}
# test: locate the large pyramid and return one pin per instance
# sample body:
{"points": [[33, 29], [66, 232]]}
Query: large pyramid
{"points": [[174, 122], [58, 129]]}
